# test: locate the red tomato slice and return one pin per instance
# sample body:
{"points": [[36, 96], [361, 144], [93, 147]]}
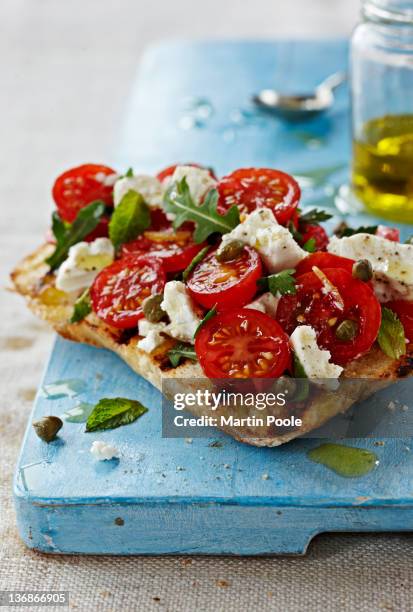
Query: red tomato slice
{"points": [[242, 343], [100, 231], [161, 176], [404, 310], [323, 261], [159, 220], [317, 232], [315, 305], [119, 290], [390, 233], [226, 284], [176, 249], [251, 188], [80, 186]]}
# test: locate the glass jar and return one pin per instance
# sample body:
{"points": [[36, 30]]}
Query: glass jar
{"points": [[382, 107]]}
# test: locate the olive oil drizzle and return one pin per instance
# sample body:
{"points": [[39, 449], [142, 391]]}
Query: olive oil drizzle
{"points": [[346, 461]]}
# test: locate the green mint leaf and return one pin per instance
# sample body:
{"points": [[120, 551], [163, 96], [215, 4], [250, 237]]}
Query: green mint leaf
{"points": [[178, 200], [81, 308], [211, 313], [310, 245], [279, 284], [315, 216], [181, 351], [130, 218], [86, 221], [345, 232], [196, 260], [114, 412], [391, 338]]}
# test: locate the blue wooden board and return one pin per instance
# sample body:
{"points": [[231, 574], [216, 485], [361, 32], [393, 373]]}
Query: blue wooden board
{"points": [[169, 495]]}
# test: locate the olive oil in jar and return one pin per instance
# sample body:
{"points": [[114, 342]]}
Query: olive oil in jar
{"points": [[383, 166]]}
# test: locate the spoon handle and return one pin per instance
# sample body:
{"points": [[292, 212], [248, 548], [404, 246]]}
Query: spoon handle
{"points": [[334, 80]]}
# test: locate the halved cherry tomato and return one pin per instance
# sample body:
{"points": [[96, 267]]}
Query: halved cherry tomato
{"points": [[242, 343], [227, 284], [161, 176], [78, 187], [251, 188], [119, 290], [159, 220], [390, 233], [316, 305], [317, 232], [322, 261], [100, 231], [176, 249], [404, 310]]}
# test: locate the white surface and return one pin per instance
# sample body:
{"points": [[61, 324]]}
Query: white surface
{"points": [[66, 70]]}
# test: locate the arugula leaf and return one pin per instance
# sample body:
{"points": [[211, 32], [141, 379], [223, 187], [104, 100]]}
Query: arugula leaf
{"points": [[81, 308], [181, 351], [211, 313], [198, 258], [315, 216], [178, 200], [86, 221], [310, 245], [281, 283], [344, 232], [391, 338], [130, 218], [110, 413]]}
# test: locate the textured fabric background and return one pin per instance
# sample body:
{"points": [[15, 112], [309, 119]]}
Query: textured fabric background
{"points": [[66, 71]]}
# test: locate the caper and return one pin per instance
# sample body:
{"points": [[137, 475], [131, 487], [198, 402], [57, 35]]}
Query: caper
{"points": [[47, 427], [363, 270], [152, 308], [232, 250], [347, 330]]}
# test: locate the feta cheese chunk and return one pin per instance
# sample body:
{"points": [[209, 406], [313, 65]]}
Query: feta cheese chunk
{"points": [[199, 180], [315, 361], [103, 452], [392, 263], [274, 243], [148, 186], [85, 260], [266, 303], [152, 335], [178, 305]]}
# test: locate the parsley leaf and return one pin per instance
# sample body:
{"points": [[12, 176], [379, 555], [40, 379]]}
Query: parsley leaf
{"points": [[82, 307], [211, 313], [114, 412], [181, 351], [310, 245], [198, 258], [178, 200], [344, 232], [391, 338], [315, 216], [68, 235], [130, 218], [281, 283]]}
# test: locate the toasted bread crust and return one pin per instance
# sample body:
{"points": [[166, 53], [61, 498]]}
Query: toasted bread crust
{"points": [[32, 280]]}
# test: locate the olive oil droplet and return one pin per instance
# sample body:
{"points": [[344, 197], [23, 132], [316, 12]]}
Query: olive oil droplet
{"points": [[347, 461]]}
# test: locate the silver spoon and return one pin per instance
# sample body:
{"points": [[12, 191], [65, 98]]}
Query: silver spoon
{"points": [[300, 106]]}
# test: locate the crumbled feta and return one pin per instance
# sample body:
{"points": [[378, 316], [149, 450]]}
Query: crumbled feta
{"points": [[152, 335], [178, 305], [103, 452], [266, 303], [392, 263], [315, 361], [85, 260], [107, 179], [199, 180], [148, 186], [274, 243]]}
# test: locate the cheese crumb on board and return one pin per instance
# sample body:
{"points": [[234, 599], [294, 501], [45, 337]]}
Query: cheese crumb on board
{"points": [[103, 452]]}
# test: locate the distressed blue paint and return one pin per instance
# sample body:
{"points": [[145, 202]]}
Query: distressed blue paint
{"points": [[68, 502]]}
